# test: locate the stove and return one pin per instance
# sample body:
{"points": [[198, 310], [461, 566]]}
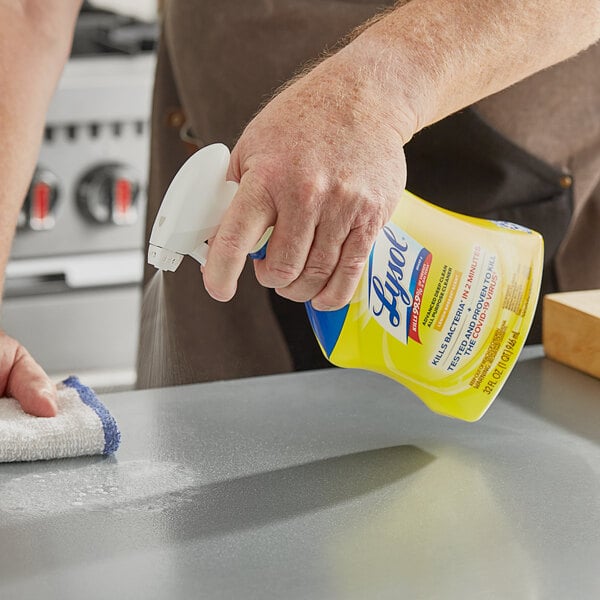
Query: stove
{"points": [[73, 283]]}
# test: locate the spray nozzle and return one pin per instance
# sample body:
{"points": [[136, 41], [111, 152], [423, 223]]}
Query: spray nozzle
{"points": [[192, 209], [163, 258]]}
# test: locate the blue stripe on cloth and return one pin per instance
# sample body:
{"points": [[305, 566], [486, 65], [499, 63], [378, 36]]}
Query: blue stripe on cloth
{"points": [[112, 435]]}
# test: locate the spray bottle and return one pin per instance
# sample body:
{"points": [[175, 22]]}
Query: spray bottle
{"points": [[443, 306]]}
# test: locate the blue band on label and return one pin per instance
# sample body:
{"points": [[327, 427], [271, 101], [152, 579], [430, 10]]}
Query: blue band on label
{"points": [[327, 325]]}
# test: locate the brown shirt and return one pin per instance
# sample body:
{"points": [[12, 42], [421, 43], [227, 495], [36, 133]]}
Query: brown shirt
{"points": [[219, 62], [555, 114]]}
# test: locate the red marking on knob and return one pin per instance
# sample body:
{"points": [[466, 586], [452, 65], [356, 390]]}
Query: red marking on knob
{"points": [[122, 196], [41, 200]]}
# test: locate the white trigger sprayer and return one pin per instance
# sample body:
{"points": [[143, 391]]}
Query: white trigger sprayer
{"points": [[192, 210]]}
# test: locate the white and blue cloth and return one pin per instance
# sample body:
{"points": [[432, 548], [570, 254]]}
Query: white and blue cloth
{"points": [[82, 426]]}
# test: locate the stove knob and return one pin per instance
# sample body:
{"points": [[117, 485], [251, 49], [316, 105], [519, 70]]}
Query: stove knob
{"points": [[109, 194], [40, 203]]}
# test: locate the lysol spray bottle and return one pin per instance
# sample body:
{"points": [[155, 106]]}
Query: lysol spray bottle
{"points": [[443, 306]]}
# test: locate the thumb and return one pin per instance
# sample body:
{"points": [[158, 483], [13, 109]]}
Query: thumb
{"points": [[30, 386]]}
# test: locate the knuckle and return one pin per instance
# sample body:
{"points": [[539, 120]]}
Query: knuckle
{"points": [[361, 242], [320, 264], [343, 188], [316, 273], [282, 270], [366, 229], [352, 266], [373, 203], [375, 214], [308, 188], [229, 245], [21, 355], [306, 196], [256, 190]]}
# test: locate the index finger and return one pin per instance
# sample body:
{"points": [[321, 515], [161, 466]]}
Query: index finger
{"points": [[251, 212]]}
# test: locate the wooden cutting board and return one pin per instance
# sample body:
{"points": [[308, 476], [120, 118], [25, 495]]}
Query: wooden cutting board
{"points": [[571, 329]]}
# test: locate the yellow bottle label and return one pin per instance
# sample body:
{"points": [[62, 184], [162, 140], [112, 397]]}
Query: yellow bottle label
{"points": [[444, 306]]}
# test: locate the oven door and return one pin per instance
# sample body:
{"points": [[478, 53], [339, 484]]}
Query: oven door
{"points": [[78, 315]]}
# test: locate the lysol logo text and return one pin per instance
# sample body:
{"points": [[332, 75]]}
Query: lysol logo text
{"points": [[398, 268], [390, 290]]}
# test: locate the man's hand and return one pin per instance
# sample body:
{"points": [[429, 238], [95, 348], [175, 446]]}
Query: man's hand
{"points": [[323, 162], [23, 379], [324, 166]]}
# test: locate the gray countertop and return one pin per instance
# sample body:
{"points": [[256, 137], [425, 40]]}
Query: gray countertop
{"points": [[330, 484]]}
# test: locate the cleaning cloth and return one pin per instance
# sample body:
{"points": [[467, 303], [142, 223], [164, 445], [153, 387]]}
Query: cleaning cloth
{"points": [[82, 426]]}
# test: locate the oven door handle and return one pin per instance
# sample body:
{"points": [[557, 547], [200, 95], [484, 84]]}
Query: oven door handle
{"points": [[33, 275], [25, 286]]}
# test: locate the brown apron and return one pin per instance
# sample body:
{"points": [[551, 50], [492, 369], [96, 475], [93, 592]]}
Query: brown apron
{"points": [[219, 62]]}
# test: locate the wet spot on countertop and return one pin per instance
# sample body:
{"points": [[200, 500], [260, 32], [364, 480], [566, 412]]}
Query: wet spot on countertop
{"points": [[102, 486]]}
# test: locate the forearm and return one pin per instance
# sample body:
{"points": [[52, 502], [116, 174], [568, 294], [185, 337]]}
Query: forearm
{"points": [[35, 39], [430, 58]]}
